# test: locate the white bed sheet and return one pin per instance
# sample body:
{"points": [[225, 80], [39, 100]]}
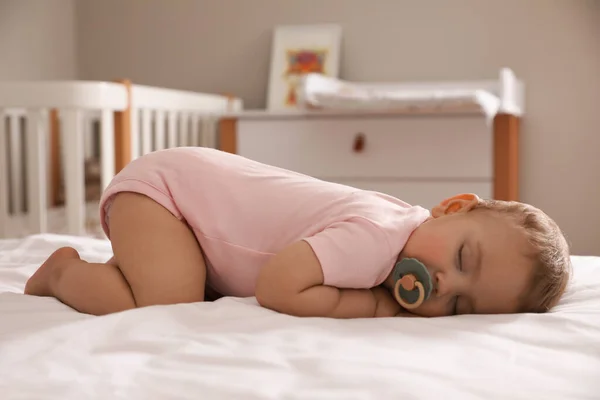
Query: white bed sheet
{"points": [[233, 349]]}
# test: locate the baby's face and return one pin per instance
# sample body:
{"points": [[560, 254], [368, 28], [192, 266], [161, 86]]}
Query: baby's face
{"points": [[477, 261]]}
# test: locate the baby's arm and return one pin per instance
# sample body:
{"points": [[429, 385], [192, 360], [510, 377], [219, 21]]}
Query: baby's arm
{"points": [[292, 283]]}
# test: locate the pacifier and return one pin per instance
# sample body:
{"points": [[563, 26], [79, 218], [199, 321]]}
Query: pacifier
{"points": [[412, 283]]}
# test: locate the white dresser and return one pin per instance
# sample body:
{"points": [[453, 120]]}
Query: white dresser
{"points": [[421, 159]]}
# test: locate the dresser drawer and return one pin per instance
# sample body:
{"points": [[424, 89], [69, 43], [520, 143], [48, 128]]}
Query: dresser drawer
{"points": [[394, 147]]}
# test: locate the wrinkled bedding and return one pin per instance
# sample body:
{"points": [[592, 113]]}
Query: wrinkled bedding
{"points": [[233, 349]]}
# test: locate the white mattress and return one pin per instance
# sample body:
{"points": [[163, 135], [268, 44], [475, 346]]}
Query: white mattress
{"points": [[232, 349]]}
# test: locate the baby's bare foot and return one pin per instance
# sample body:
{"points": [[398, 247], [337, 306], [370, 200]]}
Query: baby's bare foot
{"points": [[40, 284]]}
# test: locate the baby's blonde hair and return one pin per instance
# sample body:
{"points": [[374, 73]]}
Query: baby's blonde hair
{"points": [[549, 252]]}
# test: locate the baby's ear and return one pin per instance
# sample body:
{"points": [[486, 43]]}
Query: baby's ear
{"points": [[459, 203]]}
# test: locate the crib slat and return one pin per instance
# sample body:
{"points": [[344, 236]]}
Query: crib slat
{"points": [[36, 168], [194, 131], [3, 177], [16, 169], [159, 129], [146, 132], [107, 148], [201, 130], [213, 123], [88, 137], [135, 134], [184, 129], [208, 134], [74, 171], [202, 135], [172, 129]]}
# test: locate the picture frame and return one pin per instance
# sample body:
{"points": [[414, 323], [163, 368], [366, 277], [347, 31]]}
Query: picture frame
{"points": [[297, 50]]}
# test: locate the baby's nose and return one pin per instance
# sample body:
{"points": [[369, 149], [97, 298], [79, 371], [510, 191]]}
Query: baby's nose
{"points": [[440, 286]]}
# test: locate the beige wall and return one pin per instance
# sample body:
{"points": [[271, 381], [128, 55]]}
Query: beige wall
{"points": [[554, 45], [37, 39]]}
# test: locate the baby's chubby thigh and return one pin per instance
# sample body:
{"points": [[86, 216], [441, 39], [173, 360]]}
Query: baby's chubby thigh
{"points": [[153, 246], [156, 252]]}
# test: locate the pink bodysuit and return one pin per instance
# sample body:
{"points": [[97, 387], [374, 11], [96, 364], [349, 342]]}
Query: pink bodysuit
{"points": [[243, 212]]}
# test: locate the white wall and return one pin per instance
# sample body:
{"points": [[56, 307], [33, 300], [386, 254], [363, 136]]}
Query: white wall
{"points": [[37, 39], [224, 46]]}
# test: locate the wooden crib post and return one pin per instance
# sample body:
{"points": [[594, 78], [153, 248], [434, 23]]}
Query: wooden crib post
{"points": [[55, 163], [228, 135], [122, 123], [230, 101], [506, 157], [227, 128]]}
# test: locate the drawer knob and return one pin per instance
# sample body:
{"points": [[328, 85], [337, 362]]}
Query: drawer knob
{"points": [[359, 143]]}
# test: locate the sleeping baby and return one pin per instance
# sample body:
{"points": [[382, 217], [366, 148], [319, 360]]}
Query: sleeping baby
{"points": [[186, 223]]}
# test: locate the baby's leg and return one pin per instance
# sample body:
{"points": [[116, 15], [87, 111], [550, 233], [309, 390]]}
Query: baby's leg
{"points": [[157, 261], [157, 253], [89, 288]]}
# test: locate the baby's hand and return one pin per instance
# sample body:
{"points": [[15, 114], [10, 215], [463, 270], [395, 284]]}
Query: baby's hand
{"points": [[387, 306]]}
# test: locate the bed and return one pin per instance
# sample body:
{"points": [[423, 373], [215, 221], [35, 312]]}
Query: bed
{"points": [[233, 349]]}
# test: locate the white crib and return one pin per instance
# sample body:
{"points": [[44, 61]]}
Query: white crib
{"points": [[49, 129]]}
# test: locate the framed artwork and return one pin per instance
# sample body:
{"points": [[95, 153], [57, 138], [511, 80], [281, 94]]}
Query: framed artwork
{"points": [[297, 50]]}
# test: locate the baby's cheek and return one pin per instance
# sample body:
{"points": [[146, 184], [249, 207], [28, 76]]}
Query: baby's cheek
{"points": [[437, 249], [430, 247]]}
